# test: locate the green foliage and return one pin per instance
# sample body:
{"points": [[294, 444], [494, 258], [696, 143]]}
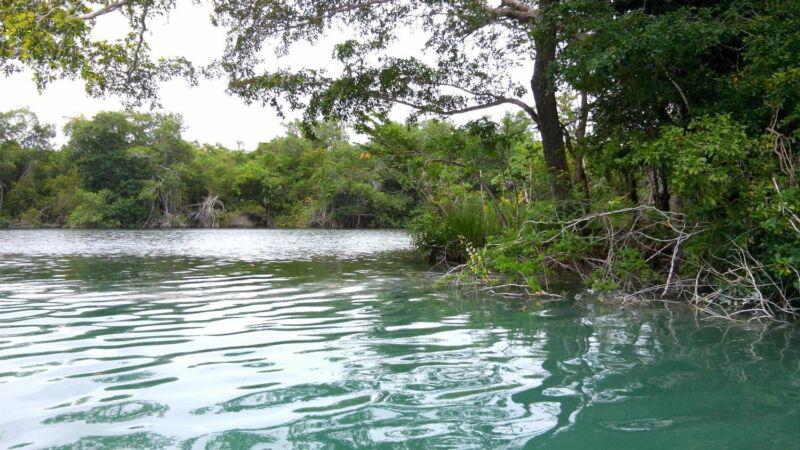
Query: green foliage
{"points": [[54, 40], [448, 230], [731, 184], [25, 160], [469, 181], [711, 163], [628, 264], [137, 158], [123, 169], [93, 210]]}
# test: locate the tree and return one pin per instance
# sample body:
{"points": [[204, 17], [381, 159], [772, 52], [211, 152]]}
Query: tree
{"points": [[24, 143], [23, 127], [473, 45], [651, 66], [136, 158]]}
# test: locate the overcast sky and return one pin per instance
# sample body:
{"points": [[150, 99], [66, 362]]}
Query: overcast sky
{"points": [[210, 115]]}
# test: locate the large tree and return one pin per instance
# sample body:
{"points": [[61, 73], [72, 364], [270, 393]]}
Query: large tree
{"points": [[469, 53]]}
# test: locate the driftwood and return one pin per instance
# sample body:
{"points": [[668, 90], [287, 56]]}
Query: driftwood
{"points": [[743, 290]]}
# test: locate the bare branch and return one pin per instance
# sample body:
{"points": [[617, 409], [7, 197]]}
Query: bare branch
{"points": [[139, 43], [452, 112], [105, 10], [513, 9], [683, 96], [513, 101]]}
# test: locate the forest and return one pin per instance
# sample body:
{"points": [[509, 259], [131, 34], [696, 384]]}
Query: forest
{"points": [[653, 155], [123, 169]]}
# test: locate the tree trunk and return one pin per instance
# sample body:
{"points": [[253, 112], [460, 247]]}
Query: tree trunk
{"points": [[544, 95], [633, 189], [580, 135], [659, 191]]}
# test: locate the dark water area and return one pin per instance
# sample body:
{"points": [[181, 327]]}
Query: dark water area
{"points": [[230, 339]]}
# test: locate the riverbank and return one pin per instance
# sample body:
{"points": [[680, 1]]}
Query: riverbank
{"points": [[629, 255]]}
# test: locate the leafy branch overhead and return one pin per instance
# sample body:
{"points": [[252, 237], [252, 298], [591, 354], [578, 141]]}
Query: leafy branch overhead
{"points": [[465, 63], [53, 39]]}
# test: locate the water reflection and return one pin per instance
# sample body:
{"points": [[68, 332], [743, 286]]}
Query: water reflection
{"points": [[192, 352]]}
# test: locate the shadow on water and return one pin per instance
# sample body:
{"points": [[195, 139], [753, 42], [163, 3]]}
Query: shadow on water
{"points": [[195, 352]]}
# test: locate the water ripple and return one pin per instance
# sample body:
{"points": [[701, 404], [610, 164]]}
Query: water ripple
{"points": [[164, 350]]}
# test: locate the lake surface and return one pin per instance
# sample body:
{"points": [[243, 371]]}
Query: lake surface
{"points": [[230, 339]]}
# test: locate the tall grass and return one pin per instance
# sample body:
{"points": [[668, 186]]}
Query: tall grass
{"points": [[447, 230]]}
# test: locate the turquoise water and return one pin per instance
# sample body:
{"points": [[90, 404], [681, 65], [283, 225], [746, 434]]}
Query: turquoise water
{"points": [[230, 339]]}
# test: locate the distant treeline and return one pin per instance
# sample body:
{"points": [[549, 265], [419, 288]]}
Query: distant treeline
{"points": [[122, 169]]}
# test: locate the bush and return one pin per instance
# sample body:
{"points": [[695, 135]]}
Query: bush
{"points": [[93, 210]]}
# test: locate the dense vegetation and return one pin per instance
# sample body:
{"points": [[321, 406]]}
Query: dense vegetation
{"points": [[663, 162], [134, 170]]}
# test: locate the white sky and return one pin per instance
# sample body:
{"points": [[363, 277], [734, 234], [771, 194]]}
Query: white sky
{"points": [[209, 113]]}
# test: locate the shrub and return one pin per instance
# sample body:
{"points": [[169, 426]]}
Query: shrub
{"points": [[93, 210]]}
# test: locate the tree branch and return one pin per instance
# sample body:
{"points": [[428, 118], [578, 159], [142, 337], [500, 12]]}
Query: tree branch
{"points": [[352, 6], [683, 96], [452, 112], [139, 43], [513, 9], [513, 101], [104, 10], [298, 22]]}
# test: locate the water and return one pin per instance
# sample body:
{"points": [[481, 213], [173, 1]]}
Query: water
{"points": [[337, 339]]}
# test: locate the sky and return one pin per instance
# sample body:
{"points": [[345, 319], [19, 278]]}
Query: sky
{"points": [[210, 115]]}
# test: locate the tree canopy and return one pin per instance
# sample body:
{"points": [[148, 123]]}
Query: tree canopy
{"points": [[466, 61], [53, 39]]}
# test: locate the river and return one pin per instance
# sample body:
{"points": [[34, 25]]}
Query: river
{"points": [[229, 339]]}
